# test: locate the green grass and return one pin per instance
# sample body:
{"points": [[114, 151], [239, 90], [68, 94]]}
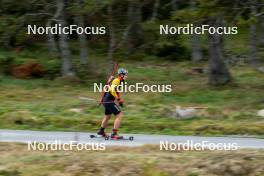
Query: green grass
{"points": [[45, 104]]}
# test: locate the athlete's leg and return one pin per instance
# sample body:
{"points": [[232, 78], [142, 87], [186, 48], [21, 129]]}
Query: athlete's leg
{"points": [[114, 109], [105, 121], [118, 120], [104, 125], [117, 124]]}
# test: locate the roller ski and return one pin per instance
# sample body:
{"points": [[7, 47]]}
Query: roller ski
{"points": [[121, 138], [115, 136]]}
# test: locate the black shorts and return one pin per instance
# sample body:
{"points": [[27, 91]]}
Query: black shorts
{"points": [[111, 108]]}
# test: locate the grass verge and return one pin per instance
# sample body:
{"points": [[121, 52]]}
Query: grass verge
{"points": [[16, 160]]}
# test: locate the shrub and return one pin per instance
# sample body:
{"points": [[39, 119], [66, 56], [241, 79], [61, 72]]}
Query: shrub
{"points": [[31, 69]]}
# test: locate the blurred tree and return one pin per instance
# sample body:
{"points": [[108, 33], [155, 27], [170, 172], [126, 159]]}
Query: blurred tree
{"points": [[82, 37], [52, 46], [174, 4], [211, 13], [112, 33], [13, 17], [218, 72], [260, 20], [155, 9], [214, 12], [135, 32], [67, 66], [253, 35], [196, 39]]}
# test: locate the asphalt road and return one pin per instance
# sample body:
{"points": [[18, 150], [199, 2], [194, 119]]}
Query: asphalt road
{"points": [[25, 136]]}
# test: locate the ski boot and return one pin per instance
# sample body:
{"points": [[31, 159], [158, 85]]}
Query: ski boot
{"points": [[101, 132], [114, 135]]}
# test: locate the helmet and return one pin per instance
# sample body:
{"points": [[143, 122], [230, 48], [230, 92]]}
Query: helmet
{"points": [[122, 71]]}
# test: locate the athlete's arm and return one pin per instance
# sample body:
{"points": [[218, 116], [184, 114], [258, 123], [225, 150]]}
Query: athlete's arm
{"points": [[118, 95]]}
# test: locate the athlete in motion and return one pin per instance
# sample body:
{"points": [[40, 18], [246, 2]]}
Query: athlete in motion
{"points": [[110, 106]]}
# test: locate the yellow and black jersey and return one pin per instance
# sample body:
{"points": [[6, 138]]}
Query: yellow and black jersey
{"points": [[116, 82], [111, 95]]}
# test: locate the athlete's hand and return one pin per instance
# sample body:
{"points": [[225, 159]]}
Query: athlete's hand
{"points": [[121, 102]]}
